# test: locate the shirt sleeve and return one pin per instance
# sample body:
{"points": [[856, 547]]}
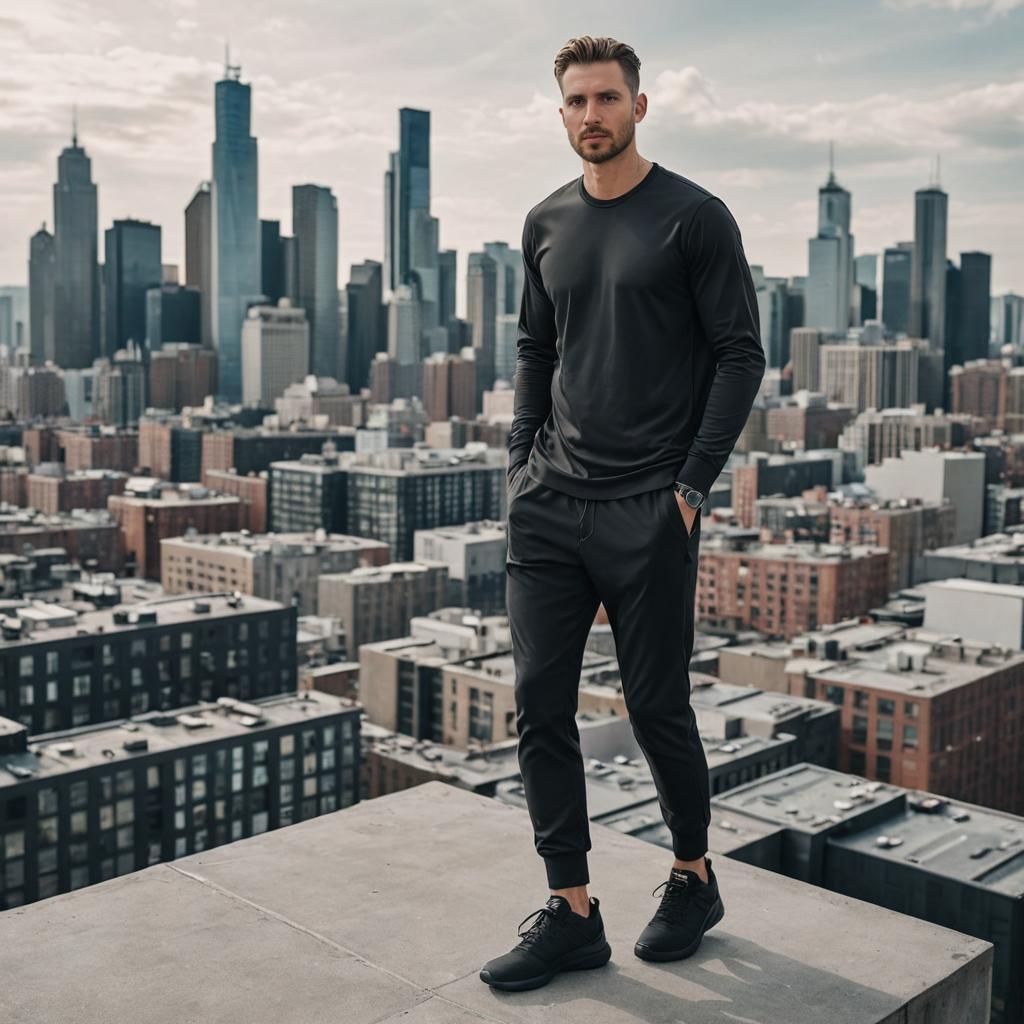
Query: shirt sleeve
{"points": [[536, 356], [726, 303]]}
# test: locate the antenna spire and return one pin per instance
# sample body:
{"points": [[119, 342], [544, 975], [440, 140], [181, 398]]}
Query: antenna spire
{"points": [[74, 124], [232, 71]]}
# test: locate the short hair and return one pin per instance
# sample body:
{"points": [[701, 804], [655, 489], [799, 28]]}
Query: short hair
{"points": [[588, 50]]}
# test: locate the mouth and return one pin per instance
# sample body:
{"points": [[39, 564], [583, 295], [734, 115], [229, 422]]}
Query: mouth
{"points": [[599, 135]]}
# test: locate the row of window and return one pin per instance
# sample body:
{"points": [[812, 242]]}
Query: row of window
{"points": [[85, 656], [862, 699]]}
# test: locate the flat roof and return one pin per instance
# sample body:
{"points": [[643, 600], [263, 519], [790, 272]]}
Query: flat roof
{"points": [[163, 731], [171, 610], [807, 797], [954, 839]]}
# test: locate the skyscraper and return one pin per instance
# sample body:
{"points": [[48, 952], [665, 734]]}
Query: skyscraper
{"points": [[406, 188], [272, 280], [975, 304], [830, 260], [41, 281], [482, 312], [446, 266], [865, 288], [275, 352], [235, 223], [131, 254], [76, 274], [928, 266], [198, 257], [315, 227], [367, 326], [896, 269]]}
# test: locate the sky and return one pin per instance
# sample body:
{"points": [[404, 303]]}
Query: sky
{"points": [[743, 98]]}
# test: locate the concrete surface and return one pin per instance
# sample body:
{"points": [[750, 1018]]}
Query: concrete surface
{"points": [[385, 911]]}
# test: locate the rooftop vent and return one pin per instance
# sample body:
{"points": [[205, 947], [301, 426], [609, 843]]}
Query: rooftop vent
{"points": [[887, 841], [137, 743], [193, 721]]}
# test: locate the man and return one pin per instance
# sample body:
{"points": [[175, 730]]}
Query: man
{"points": [[639, 358]]}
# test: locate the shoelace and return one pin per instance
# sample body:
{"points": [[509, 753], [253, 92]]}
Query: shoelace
{"points": [[673, 899], [535, 929]]}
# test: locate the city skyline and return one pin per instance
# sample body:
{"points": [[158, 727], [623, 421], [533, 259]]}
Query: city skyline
{"points": [[145, 120]]}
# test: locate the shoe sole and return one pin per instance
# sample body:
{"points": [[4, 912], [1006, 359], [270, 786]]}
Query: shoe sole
{"points": [[596, 954], [714, 915]]}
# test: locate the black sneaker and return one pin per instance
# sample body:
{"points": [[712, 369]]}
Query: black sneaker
{"points": [[689, 907], [559, 940]]}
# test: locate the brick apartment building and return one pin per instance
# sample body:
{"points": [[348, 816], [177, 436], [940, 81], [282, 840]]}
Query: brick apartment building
{"points": [[91, 448], [88, 488], [94, 540], [145, 521], [906, 527], [786, 589], [252, 491], [919, 708]]}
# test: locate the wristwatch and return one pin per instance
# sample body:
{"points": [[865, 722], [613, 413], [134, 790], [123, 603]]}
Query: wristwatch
{"points": [[694, 498]]}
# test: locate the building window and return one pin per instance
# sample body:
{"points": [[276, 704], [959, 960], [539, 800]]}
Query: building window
{"points": [[886, 707], [910, 709], [883, 734], [860, 699], [836, 694], [909, 737], [883, 768], [860, 728]]}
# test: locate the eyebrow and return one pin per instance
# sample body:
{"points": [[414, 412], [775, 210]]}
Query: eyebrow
{"points": [[606, 92]]}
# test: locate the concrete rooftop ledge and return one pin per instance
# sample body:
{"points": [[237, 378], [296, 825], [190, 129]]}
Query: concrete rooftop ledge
{"points": [[385, 911]]}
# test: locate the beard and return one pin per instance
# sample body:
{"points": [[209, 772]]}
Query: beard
{"points": [[606, 149]]}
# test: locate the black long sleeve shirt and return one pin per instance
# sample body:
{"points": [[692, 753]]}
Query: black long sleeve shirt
{"points": [[639, 347]]}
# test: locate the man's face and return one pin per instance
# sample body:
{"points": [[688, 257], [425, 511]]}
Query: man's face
{"points": [[596, 101]]}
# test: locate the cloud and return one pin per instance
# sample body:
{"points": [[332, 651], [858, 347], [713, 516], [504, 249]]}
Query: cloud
{"points": [[993, 8], [989, 117]]}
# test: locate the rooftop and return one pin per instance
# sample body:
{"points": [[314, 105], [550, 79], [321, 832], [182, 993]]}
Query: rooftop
{"points": [[385, 912], [244, 542], [806, 797], [815, 552], [46, 623], [952, 839], [116, 743]]}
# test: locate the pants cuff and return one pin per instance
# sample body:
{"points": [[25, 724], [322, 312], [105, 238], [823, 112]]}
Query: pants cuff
{"points": [[566, 870], [690, 847]]}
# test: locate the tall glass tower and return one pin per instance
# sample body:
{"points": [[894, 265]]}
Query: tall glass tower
{"points": [[235, 227], [928, 266], [406, 189], [315, 227], [132, 266], [76, 272], [830, 259]]}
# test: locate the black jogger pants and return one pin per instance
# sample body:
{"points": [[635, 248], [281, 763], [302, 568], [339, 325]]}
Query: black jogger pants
{"points": [[566, 556]]}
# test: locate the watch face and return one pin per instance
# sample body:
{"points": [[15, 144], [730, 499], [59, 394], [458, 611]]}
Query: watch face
{"points": [[693, 498]]}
